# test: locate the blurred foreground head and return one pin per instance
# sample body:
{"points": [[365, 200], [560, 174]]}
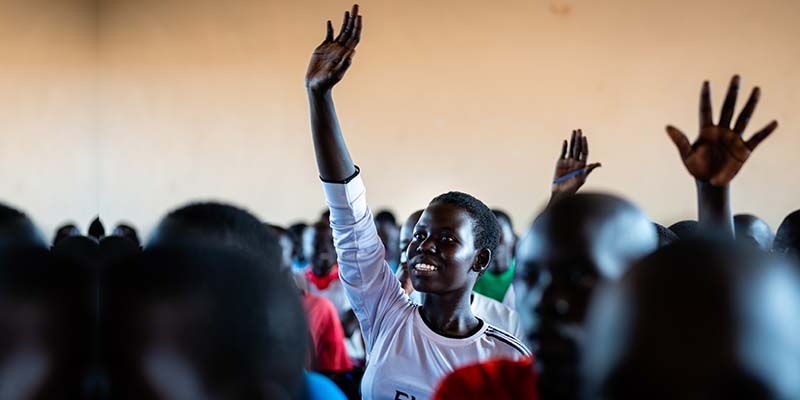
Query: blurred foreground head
{"points": [[219, 224], [45, 327], [202, 323], [787, 239], [573, 247], [753, 231], [16, 229], [697, 320]]}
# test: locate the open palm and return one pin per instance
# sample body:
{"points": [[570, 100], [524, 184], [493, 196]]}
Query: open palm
{"points": [[720, 151], [331, 59], [571, 168]]}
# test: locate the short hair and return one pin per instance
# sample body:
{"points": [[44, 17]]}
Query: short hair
{"points": [[254, 333], [484, 224], [220, 224], [385, 216], [500, 214], [127, 231], [788, 235], [65, 231]]}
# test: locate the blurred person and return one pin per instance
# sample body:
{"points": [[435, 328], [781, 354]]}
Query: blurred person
{"points": [[389, 233], [296, 230], [665, 235], [410, 347], [128, 232], [46, 329], [753, 231], [697, 320], [65, 231], [16, 228], [202, 322], [787, 239], [496, 282], [686, 229]]}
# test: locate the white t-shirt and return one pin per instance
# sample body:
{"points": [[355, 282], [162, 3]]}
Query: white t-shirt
{"points": [[406, 359], [490, 310]]}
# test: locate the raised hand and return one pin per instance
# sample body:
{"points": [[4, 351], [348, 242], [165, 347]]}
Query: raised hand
{"points": [[719, 151], [331, 59], [571, 168]]}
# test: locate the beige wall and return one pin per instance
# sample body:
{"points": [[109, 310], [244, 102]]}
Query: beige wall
{"points": [[128, 108]]}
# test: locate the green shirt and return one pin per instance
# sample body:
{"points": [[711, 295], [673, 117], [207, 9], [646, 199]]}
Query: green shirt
{"points": [[495, 286]]}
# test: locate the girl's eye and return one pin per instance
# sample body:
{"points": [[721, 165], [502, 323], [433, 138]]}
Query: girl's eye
{"points": [[447, 238], [419, 236]]}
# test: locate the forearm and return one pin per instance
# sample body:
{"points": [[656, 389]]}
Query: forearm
{"points": [[714, 208], [333, 158]]}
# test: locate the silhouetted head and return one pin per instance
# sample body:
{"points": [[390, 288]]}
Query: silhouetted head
{"points": [[65, 231], [389, 233], [407, 233], [665, 236], [318, 248], [297, 237], [697, 320], [574, 246], [787, 239], [686, 229], [202, 323], [753, 231], [128, 232], [96, 229], [219, 225], [452, 245], [504, 254], [45, 327], [17, 229], [287, 246]]}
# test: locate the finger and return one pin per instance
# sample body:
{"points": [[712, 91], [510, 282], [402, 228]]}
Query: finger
{"points": [[329, 35], [747, 111], [759, 136], [680, 140], [564, 151], [579, 144], [343, 29], [351, 21], [344, 62], [706, 117], [726, 115], [585, 148], [572, 145], [356, 36], [591, 167]]}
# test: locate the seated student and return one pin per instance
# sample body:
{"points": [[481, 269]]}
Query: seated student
{"points": [[45, 327], [65, 231], [787, 239], [410, 347], [665, 235], [202, 322], [296, 231], [329, 354], [697, 320], [496, 282], [128, 232], [17, 229], [389, 233], [686, 229], [754, 231]]}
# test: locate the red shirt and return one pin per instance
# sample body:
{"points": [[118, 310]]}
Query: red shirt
{"points": [[326, 332], [495, 380]]}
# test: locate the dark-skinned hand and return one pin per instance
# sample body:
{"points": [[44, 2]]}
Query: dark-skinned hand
{"points": [[572, 160], [331, 59], [720, 151]]}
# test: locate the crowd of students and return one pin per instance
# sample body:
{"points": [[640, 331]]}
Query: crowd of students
{"points": [[593, 301]]}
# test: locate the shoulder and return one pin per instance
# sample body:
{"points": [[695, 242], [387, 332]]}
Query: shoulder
{"points": [[503, 338]]}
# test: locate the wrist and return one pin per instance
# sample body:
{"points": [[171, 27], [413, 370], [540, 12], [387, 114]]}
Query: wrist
{"points": [[318, 92]]}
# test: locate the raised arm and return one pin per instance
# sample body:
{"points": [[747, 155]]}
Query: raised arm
{"points": [[571, 167], [327, 67], [718, 154]]}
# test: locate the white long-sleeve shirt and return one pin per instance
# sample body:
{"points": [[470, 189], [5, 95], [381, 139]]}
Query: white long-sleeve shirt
{"points": [[406, 359]]}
